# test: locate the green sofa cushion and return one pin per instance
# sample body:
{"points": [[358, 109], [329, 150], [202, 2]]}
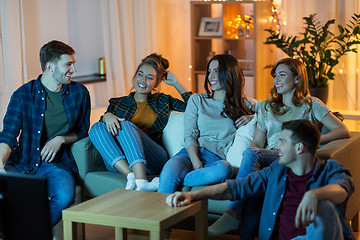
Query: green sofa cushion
{"points": [[101, 182]]}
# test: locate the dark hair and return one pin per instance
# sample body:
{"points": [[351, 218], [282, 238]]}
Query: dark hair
{"points": [[305, 132], [232, 79], [159, 64], [52, 51], [301, 90]]}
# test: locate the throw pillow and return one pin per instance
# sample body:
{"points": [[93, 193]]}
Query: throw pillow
{"points": [[173, 133], [243, 138]]}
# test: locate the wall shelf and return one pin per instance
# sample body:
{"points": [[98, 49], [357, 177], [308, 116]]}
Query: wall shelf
{"points": [[92, 78], [252, 54]]}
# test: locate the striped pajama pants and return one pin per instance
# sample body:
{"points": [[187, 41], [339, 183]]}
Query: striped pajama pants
{"points": [[131, 144]]}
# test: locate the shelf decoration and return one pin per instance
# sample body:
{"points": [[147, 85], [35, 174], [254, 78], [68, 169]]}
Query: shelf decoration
{"points": [[102, 70], [239, 27], [210, 27]]}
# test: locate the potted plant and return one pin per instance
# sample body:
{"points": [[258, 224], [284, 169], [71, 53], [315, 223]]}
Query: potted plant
{"points": [[319, 48]]}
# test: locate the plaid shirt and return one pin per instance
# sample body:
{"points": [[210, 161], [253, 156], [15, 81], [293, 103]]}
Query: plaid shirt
{"points": [[25, 113], [161, 104]]}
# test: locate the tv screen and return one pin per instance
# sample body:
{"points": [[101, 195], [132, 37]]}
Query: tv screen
{"points": [[24, 207]]}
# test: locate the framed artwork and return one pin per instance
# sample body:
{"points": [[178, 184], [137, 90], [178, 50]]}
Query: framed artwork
{"points": [[210, 27]]}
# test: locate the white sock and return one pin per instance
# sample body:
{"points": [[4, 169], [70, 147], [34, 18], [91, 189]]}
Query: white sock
{"points": [[140, 183], [223, 225], [155, 182], [130, 184], [145, 185]]}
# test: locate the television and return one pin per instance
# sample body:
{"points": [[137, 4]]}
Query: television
{"points": [[24, 207]]}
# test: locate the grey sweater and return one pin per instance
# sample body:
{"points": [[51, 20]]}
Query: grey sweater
{"points": [[205, 127]]}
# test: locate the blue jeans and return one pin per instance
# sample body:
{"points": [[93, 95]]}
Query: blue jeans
{"points": [[327, 224], [131, 144], [61, 188], [253, 160], [179, 171], [61, 185]]}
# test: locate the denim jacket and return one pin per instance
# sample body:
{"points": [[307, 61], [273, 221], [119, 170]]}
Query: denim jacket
{"points": [[270, 182]]}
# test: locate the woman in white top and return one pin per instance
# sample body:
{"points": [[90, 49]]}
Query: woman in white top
{"points": [[211, 120], [290, 100]]}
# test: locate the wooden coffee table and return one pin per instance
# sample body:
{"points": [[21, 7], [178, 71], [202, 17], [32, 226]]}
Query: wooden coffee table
{"points": [[140, 210]]}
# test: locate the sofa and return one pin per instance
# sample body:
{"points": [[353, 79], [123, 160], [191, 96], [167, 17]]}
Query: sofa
{"points": [[95, 180]]}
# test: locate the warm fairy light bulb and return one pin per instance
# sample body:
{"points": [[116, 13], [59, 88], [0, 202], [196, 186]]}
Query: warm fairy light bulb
{"points": [[284, 23], [190, 66], [341, 71], [189, 79]]}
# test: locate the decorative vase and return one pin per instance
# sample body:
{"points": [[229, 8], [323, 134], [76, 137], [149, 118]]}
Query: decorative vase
{"points": [[320, 92]]}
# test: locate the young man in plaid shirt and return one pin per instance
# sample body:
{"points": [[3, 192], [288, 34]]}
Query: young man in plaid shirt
{"points": [[43, 118]]}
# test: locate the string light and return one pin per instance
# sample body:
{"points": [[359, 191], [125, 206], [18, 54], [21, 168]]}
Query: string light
{"points": [[239, 27], [275, 17]]}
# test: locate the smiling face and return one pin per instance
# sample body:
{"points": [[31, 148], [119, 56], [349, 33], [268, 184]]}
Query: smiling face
{"points": [[284, 80], [64, 69], [145, 79], [213, 76], [287, 150]]}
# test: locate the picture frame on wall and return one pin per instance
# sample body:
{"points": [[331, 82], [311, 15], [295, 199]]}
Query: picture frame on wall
{"points": [[210, 27]]}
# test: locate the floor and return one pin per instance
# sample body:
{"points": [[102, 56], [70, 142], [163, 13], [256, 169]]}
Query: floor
{"points": [[95, 232]]}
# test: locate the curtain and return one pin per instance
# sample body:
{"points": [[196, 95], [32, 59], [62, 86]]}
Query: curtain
{"points": [[11, 52], [174, 34], [345, 89], [129, 31]]}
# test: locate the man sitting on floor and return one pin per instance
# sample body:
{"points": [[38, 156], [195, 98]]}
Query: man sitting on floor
{"points": [[304, 197]]}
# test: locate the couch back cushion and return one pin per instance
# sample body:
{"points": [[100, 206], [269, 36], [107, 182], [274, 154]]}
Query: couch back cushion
{"points": [[243, 138], [173, 133]]}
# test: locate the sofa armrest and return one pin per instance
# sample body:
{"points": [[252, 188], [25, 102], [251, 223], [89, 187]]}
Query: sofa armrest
{"points": [[328, 149], [87, 158], [346, 152]]}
